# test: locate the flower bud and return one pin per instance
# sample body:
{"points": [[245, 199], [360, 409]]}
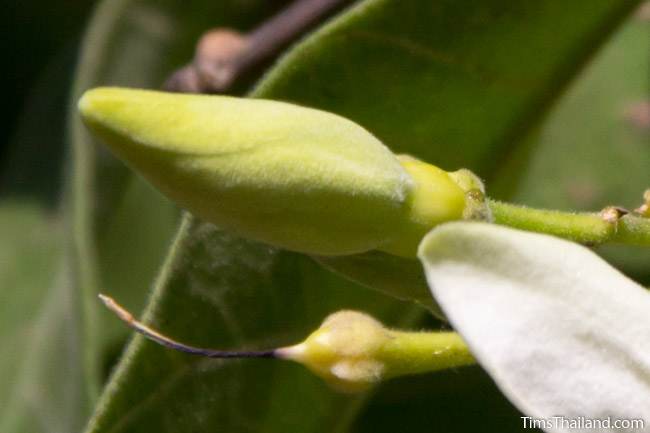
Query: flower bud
{"points": [[352, 351], [290, 176], [343, 351]]}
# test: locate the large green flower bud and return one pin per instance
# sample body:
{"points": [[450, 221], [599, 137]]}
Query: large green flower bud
{"points": [[290, 176]]}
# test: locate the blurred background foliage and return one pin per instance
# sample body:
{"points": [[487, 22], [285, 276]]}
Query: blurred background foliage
{"points": [[74, 221], [40, 41]]}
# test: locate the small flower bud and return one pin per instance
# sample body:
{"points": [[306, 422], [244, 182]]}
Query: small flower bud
{"points": [[343, 351], [352, 351]]}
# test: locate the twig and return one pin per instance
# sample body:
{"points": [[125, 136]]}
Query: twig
{"points": [[223, 55]]}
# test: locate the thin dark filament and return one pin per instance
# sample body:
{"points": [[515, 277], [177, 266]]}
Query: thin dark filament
{"points": [[163, 340]]}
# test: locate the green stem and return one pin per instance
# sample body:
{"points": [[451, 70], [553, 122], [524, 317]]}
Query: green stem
{"points": [[420, 352], [586, 228]]}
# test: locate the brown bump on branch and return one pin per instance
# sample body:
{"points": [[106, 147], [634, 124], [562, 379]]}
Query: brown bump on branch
{"points": [[216, 58], [611, 214]]}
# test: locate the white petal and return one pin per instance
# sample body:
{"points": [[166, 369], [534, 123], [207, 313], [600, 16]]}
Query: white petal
{"points": [[560, 331]]}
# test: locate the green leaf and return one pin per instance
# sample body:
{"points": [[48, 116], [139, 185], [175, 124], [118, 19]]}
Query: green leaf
{"points": [[451, 82]]}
